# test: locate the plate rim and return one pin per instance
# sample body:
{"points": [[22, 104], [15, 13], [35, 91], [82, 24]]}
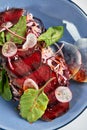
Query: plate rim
{"points": [[78, 7], [85, 15], [71, 120]]}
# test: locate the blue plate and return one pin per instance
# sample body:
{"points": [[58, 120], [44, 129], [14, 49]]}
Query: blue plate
{"points": [[52, 12]]}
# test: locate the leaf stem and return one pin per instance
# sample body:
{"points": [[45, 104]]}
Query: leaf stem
{"points": [[47, 83], [13, 33], [40, 91]]}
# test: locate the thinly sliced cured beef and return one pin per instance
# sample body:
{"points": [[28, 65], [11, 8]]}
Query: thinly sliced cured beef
{"points": [[40, 76], [33, 60], [24, 66], [11, 15], [19, 67], [55, 110], [52, 85], [24, 53]]}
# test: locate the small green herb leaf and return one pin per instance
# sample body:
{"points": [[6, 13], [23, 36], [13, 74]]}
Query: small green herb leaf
{"points": [[2, 38], [2, 80], [6, 94], [19, 29], [33, 104], [0, 87], [5, 91], [52, 35]]}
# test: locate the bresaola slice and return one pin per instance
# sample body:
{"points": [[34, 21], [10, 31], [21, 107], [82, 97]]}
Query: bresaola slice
{"points": [[24, 53], [55, 110], [33, 60], [40, 76], [52, 85], [19, 67], [11, 15], [24, 66]]}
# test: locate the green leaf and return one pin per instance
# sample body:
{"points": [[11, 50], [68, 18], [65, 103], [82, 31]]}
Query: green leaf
{"points": [[5, 91], [0, 87], [2, 38], [52, 35], [33, 104], [2, 80], [20, 29]]}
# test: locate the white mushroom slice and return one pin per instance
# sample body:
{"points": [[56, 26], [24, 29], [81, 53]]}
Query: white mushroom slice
{"points": [[63, 94], [9, 49], [29, 83], [7, 25], [31, 41]]}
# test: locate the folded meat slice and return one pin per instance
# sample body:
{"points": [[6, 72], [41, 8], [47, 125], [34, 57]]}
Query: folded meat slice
{"points": [[11, 15], [55, 110], [33, 60], [25, 65], [40, 76], [22, 53], [52, 85]]}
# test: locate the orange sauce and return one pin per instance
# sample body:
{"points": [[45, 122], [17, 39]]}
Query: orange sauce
{"points": [[80, 76]]}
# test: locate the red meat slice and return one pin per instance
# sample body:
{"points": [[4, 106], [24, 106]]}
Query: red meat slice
{"points": [[20, 68], [40, 76], [22, 53], [55, 110], [52, 85], [24, 66], [33, 60], [11, 15], [52, 98]]}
